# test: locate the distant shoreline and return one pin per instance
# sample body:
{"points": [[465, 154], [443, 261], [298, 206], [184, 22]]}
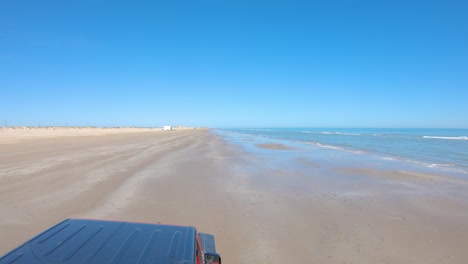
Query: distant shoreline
{"points": [[20, 133]]}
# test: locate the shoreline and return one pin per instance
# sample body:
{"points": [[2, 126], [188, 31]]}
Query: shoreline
{"points": [[439, 149], [356, 208]]}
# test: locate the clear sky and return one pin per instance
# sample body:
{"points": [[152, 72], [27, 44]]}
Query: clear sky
{"points": [[236, 63]]}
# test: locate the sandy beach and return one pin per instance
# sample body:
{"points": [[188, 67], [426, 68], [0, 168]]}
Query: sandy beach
{"points": [[274, 205]]}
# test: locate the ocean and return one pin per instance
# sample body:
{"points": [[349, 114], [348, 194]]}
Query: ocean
{"points": [[437, 149]]}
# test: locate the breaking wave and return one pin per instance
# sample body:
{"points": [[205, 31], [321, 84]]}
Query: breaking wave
{"points": [[341, 133], [449, 138]]}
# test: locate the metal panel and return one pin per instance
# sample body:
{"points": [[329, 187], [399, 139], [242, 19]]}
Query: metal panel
{"points": [[95, 241]]}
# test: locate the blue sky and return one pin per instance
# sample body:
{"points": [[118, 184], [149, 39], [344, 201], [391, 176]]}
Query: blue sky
{"points": [[234, 63]]}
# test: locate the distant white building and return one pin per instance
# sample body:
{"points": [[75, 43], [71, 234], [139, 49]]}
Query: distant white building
{"points": [[167, 128]]}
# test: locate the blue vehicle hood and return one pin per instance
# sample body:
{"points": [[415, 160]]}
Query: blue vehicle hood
{"points": [[97, 241]]}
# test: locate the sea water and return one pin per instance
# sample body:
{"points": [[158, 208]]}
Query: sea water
{"points": [[441, 149]]}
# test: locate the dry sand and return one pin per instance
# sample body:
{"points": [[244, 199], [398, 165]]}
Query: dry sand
{"points": [[17, 134], [258, 212]]}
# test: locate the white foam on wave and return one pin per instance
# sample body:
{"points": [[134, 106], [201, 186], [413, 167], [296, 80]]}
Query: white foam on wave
{"points": [[449, 138], [441, 166], [341, 133], [320, 145], [328, 146]]}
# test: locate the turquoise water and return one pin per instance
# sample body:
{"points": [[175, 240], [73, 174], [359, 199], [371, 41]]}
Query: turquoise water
{"points": [[445, 149]]}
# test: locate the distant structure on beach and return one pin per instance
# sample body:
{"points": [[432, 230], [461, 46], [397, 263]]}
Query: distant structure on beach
{"points": [[167, 128]]}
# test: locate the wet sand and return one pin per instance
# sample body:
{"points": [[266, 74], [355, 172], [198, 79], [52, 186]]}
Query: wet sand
{"points": [[273, 146], [261, 210]]}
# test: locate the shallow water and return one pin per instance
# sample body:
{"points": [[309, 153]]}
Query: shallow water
{"points": [[427, 149]]}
